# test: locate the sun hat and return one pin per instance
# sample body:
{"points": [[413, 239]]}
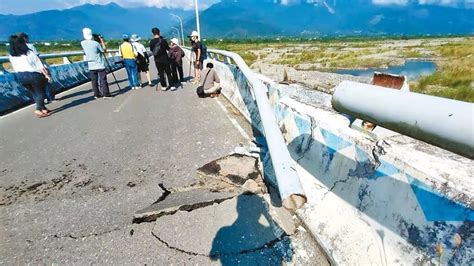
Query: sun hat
{"points": [[194, 34], [125, 36], [135, 38], [175, 41], [87, 33]]}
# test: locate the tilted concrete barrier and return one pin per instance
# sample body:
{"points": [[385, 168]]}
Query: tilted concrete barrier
{"points": [[367, 207], [13, 95]]}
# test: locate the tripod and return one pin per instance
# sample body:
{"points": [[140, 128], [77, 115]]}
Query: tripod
{"points": [[191, 63], [107, 63]]}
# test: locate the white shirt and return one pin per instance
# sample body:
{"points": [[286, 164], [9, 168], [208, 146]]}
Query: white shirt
{"points": [[139, 48], [26, 63], [32, 48]]}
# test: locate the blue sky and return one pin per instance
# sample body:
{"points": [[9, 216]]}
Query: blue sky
{"points": [[30, 6]]}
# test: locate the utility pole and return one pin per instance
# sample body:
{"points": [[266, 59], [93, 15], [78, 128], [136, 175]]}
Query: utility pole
{"points": [[177, 35], [181, 24], [197, 18]]}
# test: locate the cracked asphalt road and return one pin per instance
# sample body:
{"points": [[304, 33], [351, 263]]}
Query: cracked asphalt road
{"points": [[70, 183]]}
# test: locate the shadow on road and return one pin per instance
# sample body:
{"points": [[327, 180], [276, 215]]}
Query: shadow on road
{"points": [[251, 240]]}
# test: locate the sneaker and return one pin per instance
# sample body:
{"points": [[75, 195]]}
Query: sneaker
{"points": [[106, 97], [173, 88], [164, 88]]}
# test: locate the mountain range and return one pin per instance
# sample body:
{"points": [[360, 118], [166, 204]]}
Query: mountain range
{"points": [[110, 20], [249, 18]]}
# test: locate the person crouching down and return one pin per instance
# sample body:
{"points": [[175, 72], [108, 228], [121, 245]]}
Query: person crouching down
{"points": [[94, 52], [129, 56], [210, 84]]}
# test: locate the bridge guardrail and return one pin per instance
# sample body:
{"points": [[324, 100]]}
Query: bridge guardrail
{"points": [[289, 184], [65, 56]]}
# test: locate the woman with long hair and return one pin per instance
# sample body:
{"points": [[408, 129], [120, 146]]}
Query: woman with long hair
{"points": [[30, 72]]}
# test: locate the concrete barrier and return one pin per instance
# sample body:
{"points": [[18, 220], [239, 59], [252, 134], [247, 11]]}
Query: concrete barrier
{"points": [[13, 95], [396, 201]]}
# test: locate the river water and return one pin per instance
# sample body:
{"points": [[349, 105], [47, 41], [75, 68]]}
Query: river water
{"points": [[412, 69]]}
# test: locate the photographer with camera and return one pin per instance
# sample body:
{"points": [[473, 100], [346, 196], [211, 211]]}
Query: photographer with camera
{"points": [[94, 49]]}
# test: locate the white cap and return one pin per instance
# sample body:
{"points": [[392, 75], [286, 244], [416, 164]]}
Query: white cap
{"points": [[194, 34], [87, 33], [175, 41]]}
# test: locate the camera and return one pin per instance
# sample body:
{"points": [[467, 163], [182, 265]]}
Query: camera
{"points": [[97, 37]]}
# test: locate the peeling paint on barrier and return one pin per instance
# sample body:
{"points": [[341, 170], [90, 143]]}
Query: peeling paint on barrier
{"points": [[396, 213]]}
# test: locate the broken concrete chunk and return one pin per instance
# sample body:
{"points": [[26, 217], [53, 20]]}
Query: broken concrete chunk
{"points": [[234, 169], [181, 201], [253, 187]]}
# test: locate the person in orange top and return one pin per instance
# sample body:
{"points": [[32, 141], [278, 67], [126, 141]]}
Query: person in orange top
{"points": [[129, 55]]}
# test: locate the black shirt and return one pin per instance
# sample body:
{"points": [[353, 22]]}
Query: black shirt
{"points": [[163, 55], [196, 47]]}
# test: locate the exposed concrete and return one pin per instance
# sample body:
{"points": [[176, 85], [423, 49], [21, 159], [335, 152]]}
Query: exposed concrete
{"points": [[232, 171]]}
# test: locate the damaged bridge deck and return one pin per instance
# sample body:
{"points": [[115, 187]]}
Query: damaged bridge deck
{"points": [[72, 183]]}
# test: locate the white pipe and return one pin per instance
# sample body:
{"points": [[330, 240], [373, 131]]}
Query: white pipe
{"points": [[181, 24], [197, 18], [289, 185], [445, 123]]}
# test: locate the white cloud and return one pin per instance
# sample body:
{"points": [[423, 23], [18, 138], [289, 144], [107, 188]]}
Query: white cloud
{"points": [[184, 4], [456, 3]]}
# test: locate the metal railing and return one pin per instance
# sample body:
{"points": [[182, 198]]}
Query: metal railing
{"points": [[289, 185], [445, 123], [65, 56]]}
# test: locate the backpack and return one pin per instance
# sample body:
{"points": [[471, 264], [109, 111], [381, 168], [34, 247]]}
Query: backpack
{"points": [[203, 51], [157, 49], [200, 90]]}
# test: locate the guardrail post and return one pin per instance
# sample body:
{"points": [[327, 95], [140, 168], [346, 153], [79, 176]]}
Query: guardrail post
{"points": [[227, 60], [66, 60]]}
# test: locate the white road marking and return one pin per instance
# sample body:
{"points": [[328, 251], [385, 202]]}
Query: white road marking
{"points": [[123, 103], [233, 121]]}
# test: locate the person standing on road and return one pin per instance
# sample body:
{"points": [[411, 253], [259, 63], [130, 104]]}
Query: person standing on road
{"points": [[176, 55], [159, 46], [129, 56], [94, 52], [48, 90], [199, 59], [30, 72], [142, 58]]}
